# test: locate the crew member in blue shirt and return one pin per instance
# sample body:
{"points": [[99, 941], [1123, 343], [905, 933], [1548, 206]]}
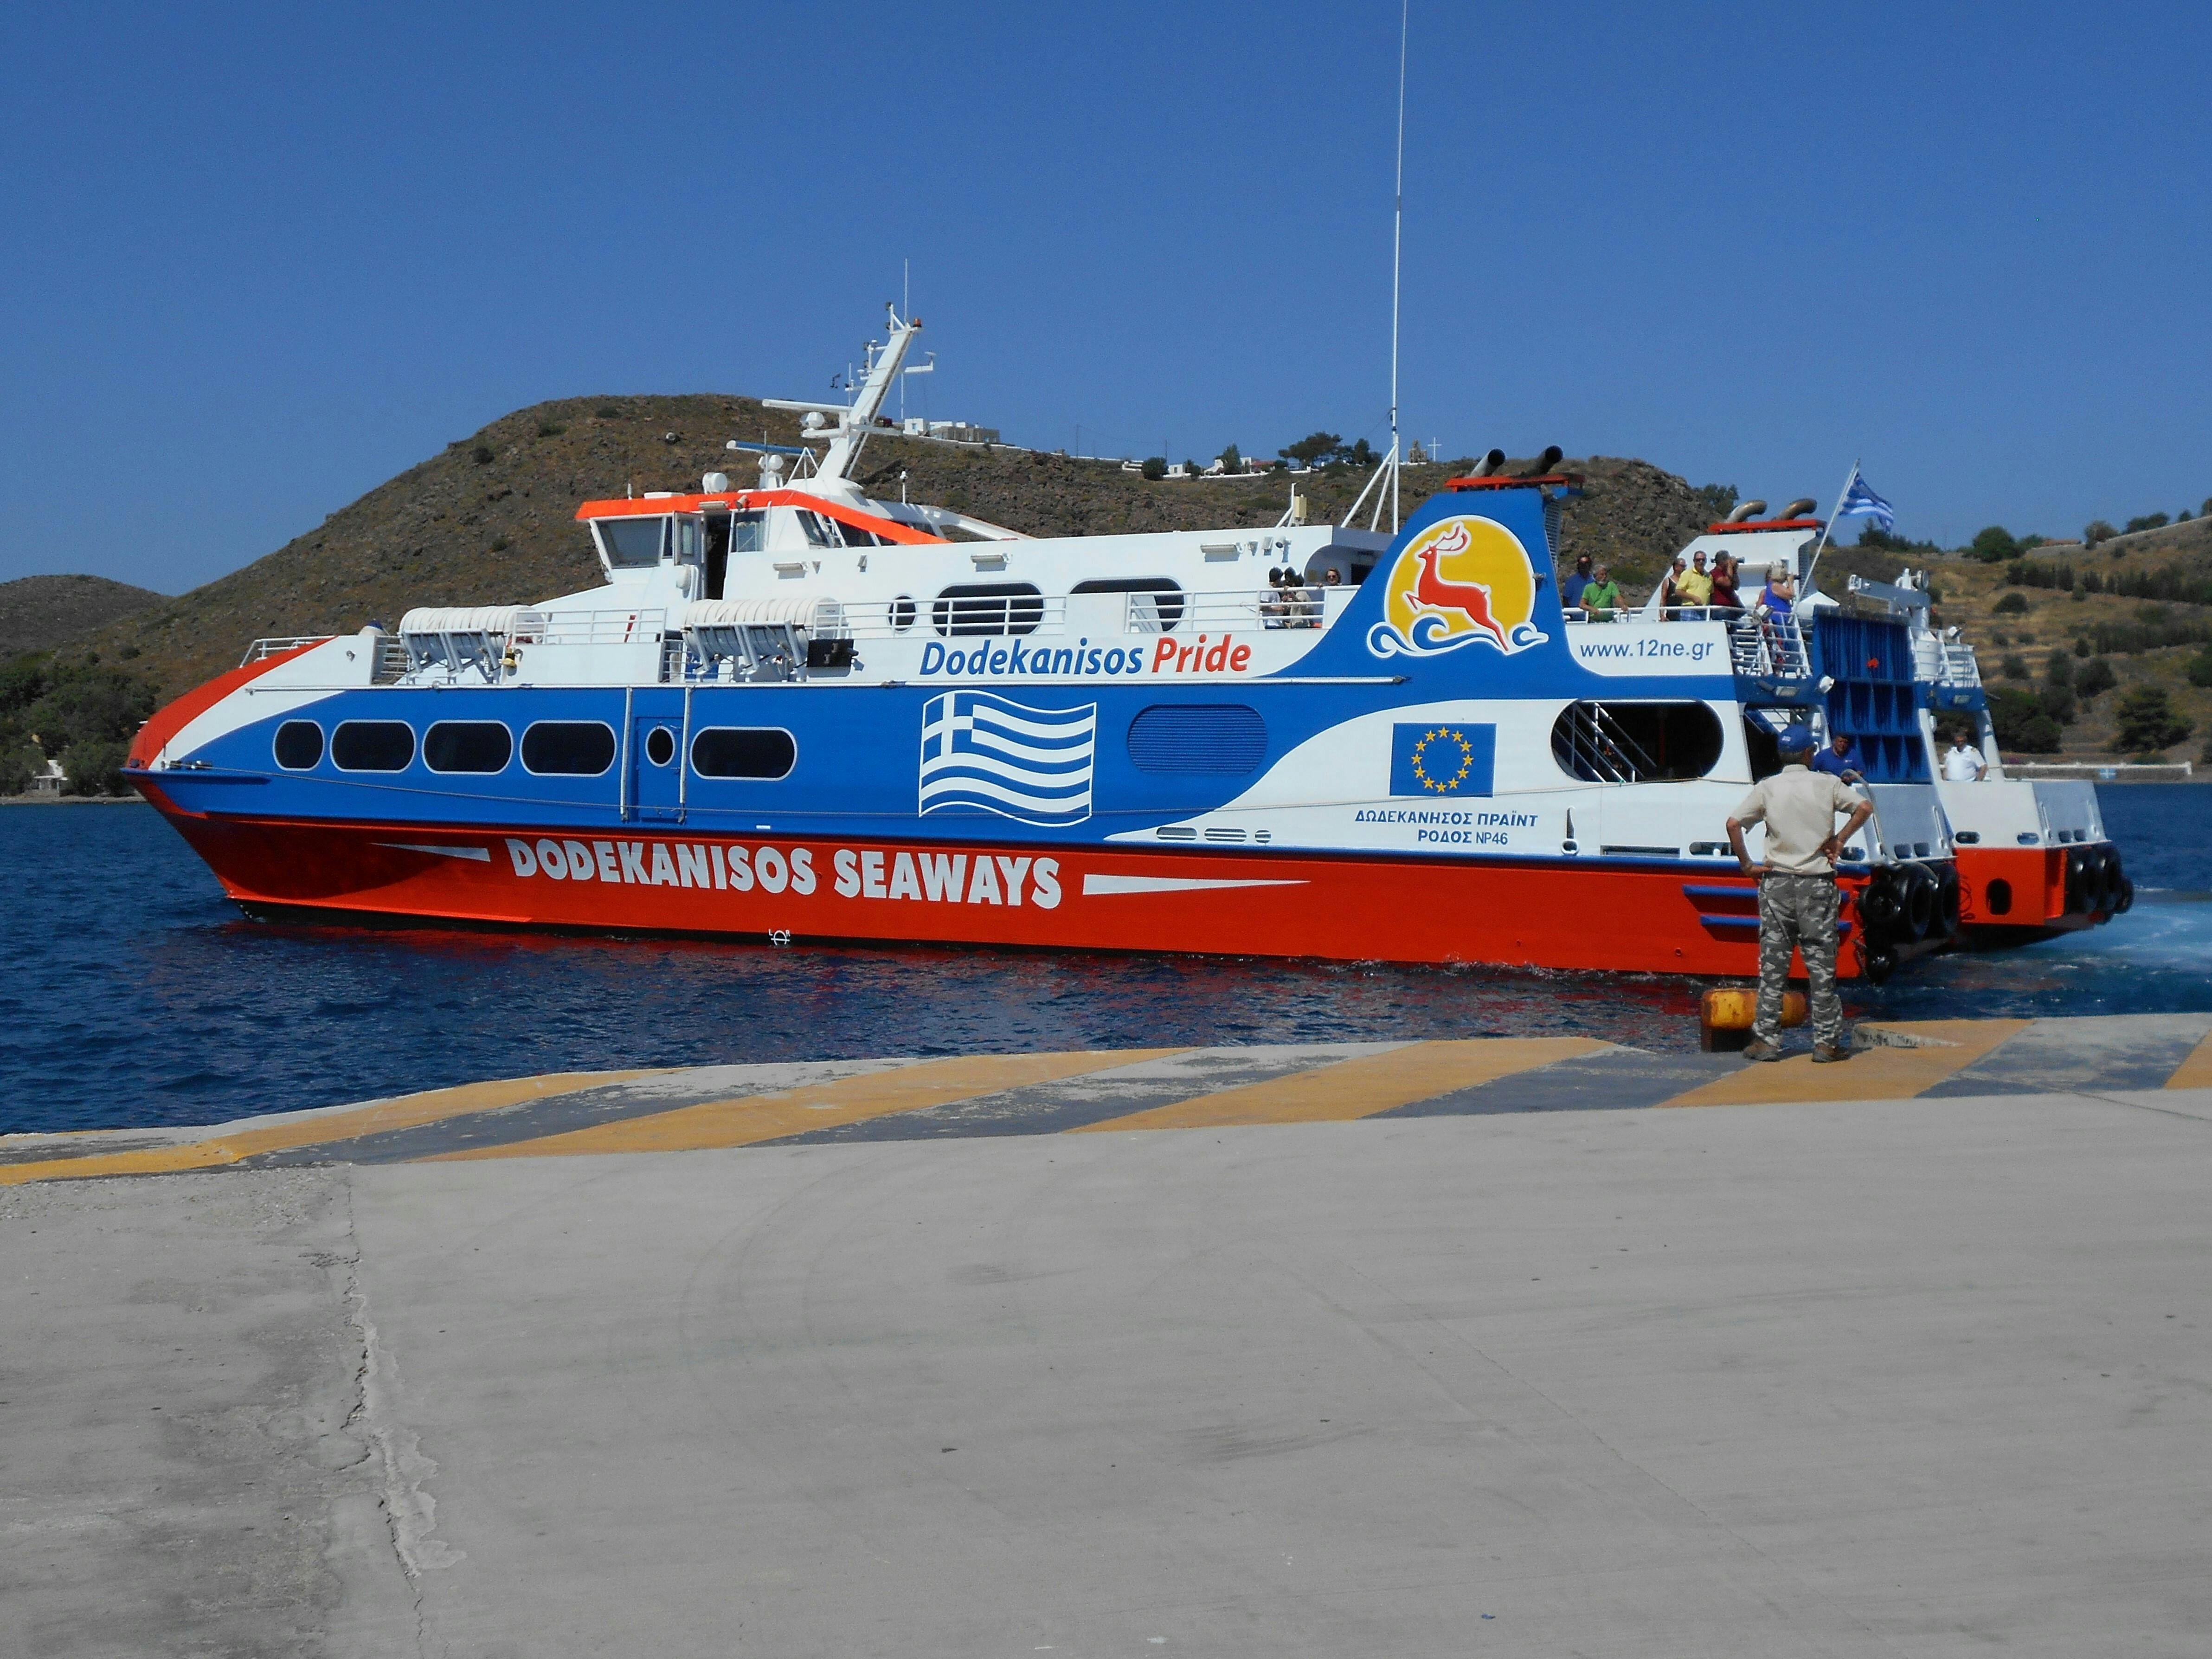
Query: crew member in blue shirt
{"points": [[1837, 759]]}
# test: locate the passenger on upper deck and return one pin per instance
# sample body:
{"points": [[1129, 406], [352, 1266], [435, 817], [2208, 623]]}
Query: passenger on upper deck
{"points": [[1571, 590], [1601, 599], [1670, 592], [1725, 596], [1694, 586], [1779, 595]]}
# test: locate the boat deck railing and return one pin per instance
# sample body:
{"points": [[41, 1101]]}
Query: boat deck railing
{"points": [[261, 649], [599, 627], [1945, 662]]}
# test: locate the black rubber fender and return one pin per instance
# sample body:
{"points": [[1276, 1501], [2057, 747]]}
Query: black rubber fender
{"points": [[1878, 962], [1947, 904], [1878, 906], [2125, 900], [1919, 901]]}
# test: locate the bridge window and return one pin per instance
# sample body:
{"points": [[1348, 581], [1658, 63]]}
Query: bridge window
{"points": [[1229, 739], [631, 544], [988, 607], [373, 745], [1153, 615], [299, 745], [468, 746], [744, 751], [568, 748], [1636, 742]]}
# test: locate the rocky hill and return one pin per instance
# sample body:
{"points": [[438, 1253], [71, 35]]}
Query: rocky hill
{"points": [[490, 518], [40, 613], [2138, 603]]}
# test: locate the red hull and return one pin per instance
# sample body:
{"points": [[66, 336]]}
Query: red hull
{"points": [[2030, 884], [1347, 908]]}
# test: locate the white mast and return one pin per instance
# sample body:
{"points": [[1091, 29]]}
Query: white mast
{"points": [[856, 420], [1389, 467], [1397, 240]]}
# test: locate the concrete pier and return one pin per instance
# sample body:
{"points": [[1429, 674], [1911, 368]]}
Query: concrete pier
{"points": [[1383, 1348]]}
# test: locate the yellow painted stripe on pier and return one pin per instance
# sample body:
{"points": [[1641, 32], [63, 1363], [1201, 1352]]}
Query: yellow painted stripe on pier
{"points": [[1359, 1088], [756, 1118], [404, 1112], [1871, 1074], [2196, 1071]]}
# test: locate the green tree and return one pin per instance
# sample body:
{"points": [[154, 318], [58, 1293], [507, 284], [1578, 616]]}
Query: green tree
{"points": [[2058, 702], [2146, 722], [1311, 448], [1718, 500], [2098, 532], [2021, 721], [2096, 676], [2011, 604], [1994, 546], [89, 705], [2200, 667], [19, 762], [2058, 667], [2148, 522], [2014, 666], [1156, 467], [95, 767], [1232, 461]]}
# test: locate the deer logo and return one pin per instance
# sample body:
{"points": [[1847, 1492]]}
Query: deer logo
{"points": [[1464, 581]]}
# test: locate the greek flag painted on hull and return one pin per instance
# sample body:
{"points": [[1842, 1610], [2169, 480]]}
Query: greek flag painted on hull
{"points": [[986, 754]]}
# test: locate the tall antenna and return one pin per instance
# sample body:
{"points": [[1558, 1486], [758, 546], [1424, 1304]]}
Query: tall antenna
{"points": [[1397, 242]]}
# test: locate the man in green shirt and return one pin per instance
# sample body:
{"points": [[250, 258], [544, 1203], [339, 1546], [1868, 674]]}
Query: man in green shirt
{"points": [[1602, 597]]}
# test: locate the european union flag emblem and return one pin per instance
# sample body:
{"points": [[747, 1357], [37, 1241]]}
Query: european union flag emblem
{"points": [[1442, 759]]}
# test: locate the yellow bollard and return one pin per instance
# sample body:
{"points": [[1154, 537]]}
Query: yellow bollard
{"points": [[1725, 1014]]}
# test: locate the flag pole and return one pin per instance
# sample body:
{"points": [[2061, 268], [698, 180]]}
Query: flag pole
{"points": [[1820, 547]]}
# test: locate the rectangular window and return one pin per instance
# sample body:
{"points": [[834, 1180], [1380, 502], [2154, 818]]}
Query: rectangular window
{"points": [[748, 532], [631, 544], [690, 541]]}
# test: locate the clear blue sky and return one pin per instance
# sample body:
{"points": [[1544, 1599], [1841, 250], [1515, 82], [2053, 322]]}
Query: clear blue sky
{"points": [[259, 259]]}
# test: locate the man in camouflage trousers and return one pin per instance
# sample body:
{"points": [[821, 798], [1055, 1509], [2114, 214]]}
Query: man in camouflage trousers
{"points": [[1797, 897]]}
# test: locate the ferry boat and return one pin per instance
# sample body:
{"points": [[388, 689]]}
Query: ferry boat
{"points": [[794, 712]]}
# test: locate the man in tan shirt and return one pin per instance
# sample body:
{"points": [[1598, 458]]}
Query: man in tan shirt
{"points": [[1797, 890]]}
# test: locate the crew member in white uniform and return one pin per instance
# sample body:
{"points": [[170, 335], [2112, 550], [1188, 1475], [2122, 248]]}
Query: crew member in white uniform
{"points": [[1963, 764]]}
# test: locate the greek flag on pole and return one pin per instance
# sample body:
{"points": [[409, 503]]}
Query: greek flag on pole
{"points": [[985, 754], [1859, 502]]}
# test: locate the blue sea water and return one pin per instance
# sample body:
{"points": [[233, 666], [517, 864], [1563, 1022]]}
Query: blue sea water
{"points": [[132, 992]]}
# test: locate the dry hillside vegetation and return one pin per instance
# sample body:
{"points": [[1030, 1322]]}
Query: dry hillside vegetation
{"points": [[40, 613], [2123, 629], [491, 519]]}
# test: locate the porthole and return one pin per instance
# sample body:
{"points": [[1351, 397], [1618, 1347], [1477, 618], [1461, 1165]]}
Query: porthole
{"points": [[373, 745], [299, 745], [568, 748], [744, 751], [902, 614], [479, 745], [660, 745]]}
